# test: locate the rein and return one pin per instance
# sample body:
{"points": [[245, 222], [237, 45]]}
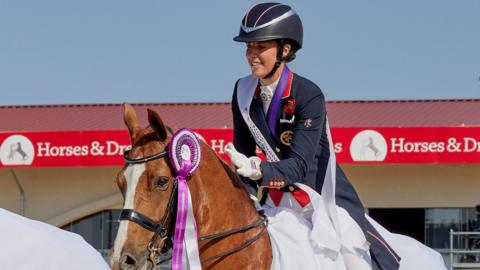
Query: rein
{"points": [[245, 244], [165, 227]]}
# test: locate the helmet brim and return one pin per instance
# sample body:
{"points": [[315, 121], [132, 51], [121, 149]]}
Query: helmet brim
{"points": [[253, 38]]}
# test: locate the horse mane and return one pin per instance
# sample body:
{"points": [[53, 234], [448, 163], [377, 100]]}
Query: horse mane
{"points": [[150, 135], [232, 175], [228, 168]]}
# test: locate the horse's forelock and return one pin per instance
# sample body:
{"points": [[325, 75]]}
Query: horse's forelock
{"points": [[148, 135]]}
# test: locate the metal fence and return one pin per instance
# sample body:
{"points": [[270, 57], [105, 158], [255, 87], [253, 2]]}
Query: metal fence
{"points": [[464, 250]]}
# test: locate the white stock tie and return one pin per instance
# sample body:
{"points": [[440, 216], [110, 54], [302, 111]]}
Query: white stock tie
{"points": [[266, 94]]}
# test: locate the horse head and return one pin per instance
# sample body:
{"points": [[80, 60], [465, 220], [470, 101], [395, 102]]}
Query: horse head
{"points": [[147, 187], [221, 206]]}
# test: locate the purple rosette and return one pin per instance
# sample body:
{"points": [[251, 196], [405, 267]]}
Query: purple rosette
{"points": [[185, 156]]}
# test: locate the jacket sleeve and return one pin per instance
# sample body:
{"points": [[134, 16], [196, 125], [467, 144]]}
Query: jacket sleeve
{"points": [[243, 140], [306, 137]]}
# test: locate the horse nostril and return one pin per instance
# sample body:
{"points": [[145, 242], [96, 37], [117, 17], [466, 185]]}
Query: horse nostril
{"points": [[128, 261]]}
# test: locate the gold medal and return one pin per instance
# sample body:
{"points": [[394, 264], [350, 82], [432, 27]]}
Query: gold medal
{"points": [[286, 137]]}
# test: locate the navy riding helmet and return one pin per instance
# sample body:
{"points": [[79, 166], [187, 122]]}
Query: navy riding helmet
{"points": [[273, 21]]}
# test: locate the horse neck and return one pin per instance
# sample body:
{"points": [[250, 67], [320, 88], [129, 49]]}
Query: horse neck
{"points": [[219, 198]]}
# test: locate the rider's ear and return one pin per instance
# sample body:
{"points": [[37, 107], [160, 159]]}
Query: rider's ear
{"points": [[157, 124], [130, 119], [286, 49]]}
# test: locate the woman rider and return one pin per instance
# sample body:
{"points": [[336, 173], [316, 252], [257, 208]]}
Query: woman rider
{"points": [[284, 114]]}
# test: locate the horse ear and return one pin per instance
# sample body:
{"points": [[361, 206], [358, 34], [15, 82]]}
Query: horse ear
{"points": [[130, 119], [157, 124]]}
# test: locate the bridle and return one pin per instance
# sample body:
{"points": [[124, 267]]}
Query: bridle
{"points": [[166, 226]]}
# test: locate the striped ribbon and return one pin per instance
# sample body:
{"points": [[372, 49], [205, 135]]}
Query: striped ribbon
{"points": [[185, 244]]}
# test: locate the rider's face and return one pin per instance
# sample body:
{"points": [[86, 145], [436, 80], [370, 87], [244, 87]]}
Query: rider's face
{"points": [[261, 57]]}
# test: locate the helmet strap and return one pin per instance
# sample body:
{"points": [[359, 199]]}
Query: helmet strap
{"points": [[278, 61]]}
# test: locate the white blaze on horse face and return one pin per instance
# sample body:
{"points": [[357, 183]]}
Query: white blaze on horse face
{"points": [[132, 175]]}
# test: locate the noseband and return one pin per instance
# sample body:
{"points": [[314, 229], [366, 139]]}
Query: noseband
{"points": [[165, 227]]}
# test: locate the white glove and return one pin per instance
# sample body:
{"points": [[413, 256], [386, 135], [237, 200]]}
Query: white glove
{"points": [[246, 167]]}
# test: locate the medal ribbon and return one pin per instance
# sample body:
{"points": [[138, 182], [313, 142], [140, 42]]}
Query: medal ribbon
{"points": [[276, 100]]}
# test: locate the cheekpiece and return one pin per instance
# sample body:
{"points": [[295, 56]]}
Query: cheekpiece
{"points": [[184, 152]]}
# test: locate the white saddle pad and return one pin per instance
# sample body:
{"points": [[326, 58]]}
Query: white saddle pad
{"points": [[33, 245], [291, 247]]}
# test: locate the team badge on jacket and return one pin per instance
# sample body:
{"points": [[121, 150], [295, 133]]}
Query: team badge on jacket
{"points": [[286, 137]]}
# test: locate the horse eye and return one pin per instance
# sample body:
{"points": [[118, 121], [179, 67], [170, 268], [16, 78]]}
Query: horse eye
{"points": [[161, 182]]}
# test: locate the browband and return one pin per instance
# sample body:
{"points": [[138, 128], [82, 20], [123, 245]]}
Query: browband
{"points": [[144, 159]]}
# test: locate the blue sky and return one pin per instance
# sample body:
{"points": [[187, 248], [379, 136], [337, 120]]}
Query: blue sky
{"points": [[111, 51]]}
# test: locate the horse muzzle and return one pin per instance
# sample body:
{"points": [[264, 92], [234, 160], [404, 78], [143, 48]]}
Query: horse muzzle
{"points": [[129, 261]]}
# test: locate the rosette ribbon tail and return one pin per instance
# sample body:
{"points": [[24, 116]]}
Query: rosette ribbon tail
{"points": [[185, 244]]}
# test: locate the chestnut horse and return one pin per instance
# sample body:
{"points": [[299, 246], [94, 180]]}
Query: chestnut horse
{"points": [[232, 235]]}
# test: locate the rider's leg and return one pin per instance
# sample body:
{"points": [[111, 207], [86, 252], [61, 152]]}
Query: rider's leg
{"points": [[355, 262], [355, 248]]}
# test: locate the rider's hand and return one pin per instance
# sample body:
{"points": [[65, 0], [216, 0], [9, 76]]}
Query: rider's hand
{"points": [[246, 167]]}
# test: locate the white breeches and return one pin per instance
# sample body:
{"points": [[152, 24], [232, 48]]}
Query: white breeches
{"points": [[352, 246]]}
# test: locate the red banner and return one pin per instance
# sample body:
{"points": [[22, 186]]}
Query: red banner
{"points": [[420, 145], [427, 145], [63, 148]]}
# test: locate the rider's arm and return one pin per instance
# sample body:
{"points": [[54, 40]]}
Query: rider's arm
{"points": [[310, 119]]}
